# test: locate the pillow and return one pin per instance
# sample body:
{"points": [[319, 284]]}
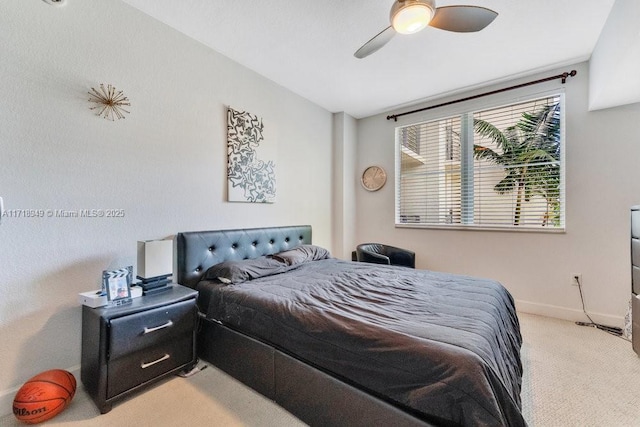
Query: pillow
{"points": [[247, 269], [302, 254]]}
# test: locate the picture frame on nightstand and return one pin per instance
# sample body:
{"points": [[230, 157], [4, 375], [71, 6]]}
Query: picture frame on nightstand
{"points": [[117, 285]]}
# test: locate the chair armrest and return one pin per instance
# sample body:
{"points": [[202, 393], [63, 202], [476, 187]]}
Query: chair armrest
{"points": [[402, 257], [372, 257]]}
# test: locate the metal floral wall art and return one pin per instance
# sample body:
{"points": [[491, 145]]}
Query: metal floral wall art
{"points": [[110, 102], [251, 162]]}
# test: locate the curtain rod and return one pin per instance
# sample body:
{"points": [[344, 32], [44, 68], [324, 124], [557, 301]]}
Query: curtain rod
{"points": [[562, 76]]}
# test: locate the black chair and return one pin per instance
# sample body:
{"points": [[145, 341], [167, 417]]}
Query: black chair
{"points": [[378, 253]]}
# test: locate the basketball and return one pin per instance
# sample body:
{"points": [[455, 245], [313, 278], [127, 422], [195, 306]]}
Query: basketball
{"points": [[44, 396]]}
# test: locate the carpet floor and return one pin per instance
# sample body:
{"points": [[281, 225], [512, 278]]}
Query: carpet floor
{"points": [[574, 376]]}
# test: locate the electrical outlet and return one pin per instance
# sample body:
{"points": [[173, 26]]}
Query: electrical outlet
{"points": [[576, 279]]}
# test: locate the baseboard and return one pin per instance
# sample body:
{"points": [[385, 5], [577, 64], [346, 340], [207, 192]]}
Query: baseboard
{"points": [[565, 313], [6, 396]]}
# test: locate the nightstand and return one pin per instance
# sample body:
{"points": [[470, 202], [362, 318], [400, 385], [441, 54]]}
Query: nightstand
{"points": [[126, 348]]}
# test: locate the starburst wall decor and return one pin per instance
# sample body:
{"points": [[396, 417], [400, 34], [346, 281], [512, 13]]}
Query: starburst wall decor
{"points": [[110, 102]]}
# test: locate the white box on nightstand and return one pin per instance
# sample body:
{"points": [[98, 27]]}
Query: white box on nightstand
{"points": [[94, 299]]}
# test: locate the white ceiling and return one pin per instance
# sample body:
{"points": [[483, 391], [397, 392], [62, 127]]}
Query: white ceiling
{"points": [[307, 46]]}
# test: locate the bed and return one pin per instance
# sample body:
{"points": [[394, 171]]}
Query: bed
{"points": [[344, 343]]}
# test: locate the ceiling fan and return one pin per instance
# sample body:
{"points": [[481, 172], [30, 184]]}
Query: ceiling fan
{"points": [[411, 16]]}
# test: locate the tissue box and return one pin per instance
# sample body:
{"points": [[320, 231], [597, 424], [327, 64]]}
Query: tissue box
{"points": [[93, 299]]}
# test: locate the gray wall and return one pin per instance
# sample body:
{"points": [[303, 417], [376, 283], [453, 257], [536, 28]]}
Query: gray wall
{"points": [[602, 182], [164, 165]]}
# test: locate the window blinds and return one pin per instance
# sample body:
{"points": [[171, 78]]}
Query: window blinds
{"points": [[497, 168]]}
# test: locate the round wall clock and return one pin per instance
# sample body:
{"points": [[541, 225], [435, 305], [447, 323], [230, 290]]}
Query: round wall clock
{"points": [[373, 178]]}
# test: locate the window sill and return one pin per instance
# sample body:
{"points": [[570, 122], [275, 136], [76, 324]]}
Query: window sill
{"points": [[459, 227]]}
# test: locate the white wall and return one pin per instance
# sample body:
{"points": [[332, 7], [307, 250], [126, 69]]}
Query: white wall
{"points": [[345, 139], [603, 182], [615, 61], [165, 164]]}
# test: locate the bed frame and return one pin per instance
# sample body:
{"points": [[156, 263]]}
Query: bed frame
{"points": [[314, 396]]}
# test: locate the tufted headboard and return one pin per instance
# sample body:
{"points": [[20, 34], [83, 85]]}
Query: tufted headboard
{"points": [[199, 250]]}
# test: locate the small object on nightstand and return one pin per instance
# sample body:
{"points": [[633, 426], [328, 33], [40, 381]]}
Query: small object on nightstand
{"points": [[155, 265], [155, 290], [98, 298], [154, 282], [117, 284], [154, 285], [155, 258]]}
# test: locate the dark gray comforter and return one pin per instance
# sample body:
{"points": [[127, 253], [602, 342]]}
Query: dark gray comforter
{"points": [[445, 347]]}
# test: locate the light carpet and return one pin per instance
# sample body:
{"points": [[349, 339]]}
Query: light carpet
{"points": [[574, 376], [577, 376]]}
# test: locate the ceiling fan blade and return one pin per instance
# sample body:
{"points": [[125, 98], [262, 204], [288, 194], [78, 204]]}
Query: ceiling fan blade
{"points": [[375, 43], [462, 19]]}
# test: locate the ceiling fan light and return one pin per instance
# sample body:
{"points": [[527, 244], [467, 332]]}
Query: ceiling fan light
{"points": [[410, 17]]}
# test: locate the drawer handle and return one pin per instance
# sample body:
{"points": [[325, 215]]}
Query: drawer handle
{"points": [[149, 330], [146, 365]]}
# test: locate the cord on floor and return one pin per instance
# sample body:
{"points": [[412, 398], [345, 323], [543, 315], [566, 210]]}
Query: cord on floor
{"points": [[609, 329], [192, 372]]}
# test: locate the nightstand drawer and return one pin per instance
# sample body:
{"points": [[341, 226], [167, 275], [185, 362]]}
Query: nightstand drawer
{"points": [[137, 368], [147, 328]]}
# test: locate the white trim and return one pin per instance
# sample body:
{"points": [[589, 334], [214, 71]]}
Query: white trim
{"points": [[566, 313], [475, 227]]}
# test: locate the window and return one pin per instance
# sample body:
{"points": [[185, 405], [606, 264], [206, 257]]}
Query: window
{"points": [[501, 168]]}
